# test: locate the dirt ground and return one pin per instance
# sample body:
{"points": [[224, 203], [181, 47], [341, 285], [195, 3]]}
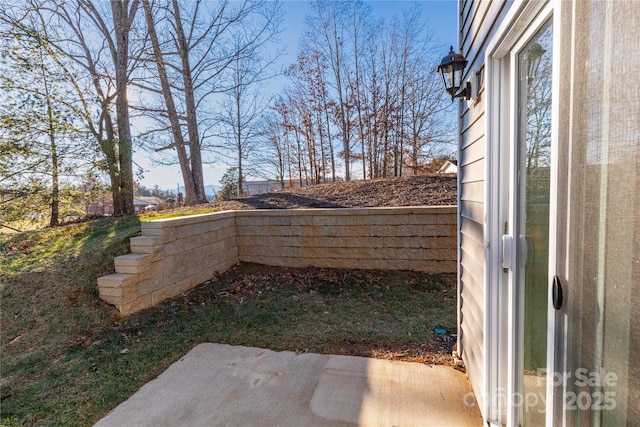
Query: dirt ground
{"points": [[429, 190]]}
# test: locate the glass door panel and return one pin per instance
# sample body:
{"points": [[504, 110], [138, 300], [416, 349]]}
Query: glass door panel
{"points": [[533, 172], [602, 385]]}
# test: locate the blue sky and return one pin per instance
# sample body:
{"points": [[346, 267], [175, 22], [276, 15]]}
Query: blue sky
{"points": [[441, 20], [440, 15]]}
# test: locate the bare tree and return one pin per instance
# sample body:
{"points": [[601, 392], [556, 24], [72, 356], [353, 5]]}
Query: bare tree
{"points": [[368, 77], [420, 129], [184, 46], [243, 106], [98, 40], [361, 36], [171, 110], [328, 29], [123, 14], [273, 153], [310, 103], [283, 112], [116, 35], [197, 42]]}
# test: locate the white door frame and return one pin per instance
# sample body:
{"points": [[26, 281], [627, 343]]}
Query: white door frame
{"points": [[520, 23]]}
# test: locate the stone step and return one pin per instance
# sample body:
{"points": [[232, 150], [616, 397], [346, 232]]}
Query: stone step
{"points": [[132, 263], [116, 287], [145, 244]]}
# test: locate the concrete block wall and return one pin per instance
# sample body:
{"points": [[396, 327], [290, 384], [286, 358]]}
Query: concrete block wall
{"points": [[420, 239], [170, 257], [177, 254]]}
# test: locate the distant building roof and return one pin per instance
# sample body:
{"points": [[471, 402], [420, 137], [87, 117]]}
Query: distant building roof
{"points": [[144, 201], [449, 167]]}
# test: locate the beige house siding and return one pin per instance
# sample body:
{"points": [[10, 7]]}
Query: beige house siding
{"points": [[477, 22]]}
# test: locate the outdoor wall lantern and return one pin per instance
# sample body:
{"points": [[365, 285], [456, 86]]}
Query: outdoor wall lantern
{"points": [[451, 69]]}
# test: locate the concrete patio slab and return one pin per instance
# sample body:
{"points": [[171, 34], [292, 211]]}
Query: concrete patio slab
{"points": [[223, 385]]}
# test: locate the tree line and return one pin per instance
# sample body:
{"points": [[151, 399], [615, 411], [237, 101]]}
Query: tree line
{"points": [[84, 84], [362, 95]]}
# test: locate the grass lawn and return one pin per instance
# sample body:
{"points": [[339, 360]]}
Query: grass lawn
{"points": [[68, 358]]}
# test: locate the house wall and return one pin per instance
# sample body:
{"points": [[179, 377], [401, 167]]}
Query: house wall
{"points": [[478, 22], [594, 221], [175, 255]]}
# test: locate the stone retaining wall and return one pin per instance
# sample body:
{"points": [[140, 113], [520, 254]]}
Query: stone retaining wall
{"points": [[177, 254]]}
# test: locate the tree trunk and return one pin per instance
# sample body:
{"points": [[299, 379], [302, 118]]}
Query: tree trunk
{"points": [[337, 64], [346, 144], [331, 151], [108, 145], [55, 188], [53, 151], [356, 55], [192, 120], [238, 125], [176, 130], [122, 20]]}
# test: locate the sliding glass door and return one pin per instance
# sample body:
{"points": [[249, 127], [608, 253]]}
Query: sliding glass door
{"points": [[529, 203], [598, 376]]}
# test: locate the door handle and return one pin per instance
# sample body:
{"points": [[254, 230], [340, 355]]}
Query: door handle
{"points": [[507, 245], [556, 293]]}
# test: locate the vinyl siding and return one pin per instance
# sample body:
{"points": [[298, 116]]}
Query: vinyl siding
{"points": [[477, 21]]}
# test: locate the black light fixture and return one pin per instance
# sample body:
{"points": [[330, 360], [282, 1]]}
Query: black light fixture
{"points": [[451, 69]]}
